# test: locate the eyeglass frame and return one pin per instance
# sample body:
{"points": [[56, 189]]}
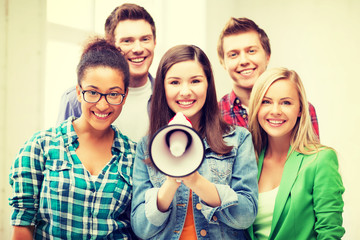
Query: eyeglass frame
{"points": [[101, 95]]}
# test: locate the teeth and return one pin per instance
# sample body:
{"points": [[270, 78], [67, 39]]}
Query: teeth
{"points": [[186, 103], [275, 121], [247, 72], [101, 115], [137, 60]]}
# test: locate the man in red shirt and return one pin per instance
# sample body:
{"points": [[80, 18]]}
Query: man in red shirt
{"points": [[244, 51]]}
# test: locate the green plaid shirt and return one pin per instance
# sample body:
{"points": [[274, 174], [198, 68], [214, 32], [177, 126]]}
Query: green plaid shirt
{"points": [[55, 193]]}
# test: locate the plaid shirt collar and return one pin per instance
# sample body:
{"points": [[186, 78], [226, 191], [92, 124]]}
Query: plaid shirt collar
{"points": [[236, 102], [232, 110], [70, 137], [68, 132]]}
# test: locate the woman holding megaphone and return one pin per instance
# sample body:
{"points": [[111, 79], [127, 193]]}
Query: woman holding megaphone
{"points": [[218, 200]]}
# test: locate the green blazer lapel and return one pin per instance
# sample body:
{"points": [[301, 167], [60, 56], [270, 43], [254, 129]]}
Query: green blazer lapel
{"points": [[260, 163], [288, 178]]}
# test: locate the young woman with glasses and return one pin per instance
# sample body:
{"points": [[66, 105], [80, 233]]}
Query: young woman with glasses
{"points": [[74, 181]]}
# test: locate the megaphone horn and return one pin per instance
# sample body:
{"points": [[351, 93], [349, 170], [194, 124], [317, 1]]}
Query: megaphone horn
{"points": [[177, 150]]}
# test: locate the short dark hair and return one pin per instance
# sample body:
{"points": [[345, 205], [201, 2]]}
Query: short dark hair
{"points": [[126, 11], [241, 25], [99, 52]]}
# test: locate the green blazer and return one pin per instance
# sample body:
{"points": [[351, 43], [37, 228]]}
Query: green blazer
{"points": [[309, 202]]}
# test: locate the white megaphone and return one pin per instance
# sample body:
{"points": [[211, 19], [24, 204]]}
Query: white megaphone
{"points": [[177, 150]]}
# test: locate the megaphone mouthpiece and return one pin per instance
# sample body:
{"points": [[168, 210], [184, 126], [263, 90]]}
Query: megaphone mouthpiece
{"points": [[180, 118], [178, 141]]}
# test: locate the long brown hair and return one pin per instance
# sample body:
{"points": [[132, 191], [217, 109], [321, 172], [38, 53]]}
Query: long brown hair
{"points": [[212, 127]]}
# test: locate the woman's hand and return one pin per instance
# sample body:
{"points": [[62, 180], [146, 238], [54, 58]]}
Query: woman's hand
{"points": [[197, 183], [205, 189], [166, 193]]}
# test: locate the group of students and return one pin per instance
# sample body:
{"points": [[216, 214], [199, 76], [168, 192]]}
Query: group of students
{"points": [[265, 174]]}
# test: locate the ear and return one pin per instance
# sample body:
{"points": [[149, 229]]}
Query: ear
{"points": [[78, 93], [267, 60], [126, 94]]}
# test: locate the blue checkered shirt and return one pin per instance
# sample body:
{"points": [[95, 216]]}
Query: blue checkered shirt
{"points": [[55, 193]]}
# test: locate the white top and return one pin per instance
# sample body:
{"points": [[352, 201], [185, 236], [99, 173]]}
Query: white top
{"points": [[262, 224], [133, 120], [93, 177]]}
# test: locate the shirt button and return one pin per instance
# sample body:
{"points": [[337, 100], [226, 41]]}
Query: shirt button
{"points": [[214, 218], [203, 232], [198, 206]]}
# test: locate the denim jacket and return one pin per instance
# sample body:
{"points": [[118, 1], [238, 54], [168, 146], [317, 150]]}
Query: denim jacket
{"points": [[235, 177]]}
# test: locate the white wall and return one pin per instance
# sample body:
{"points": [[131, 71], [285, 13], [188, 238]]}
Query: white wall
{"points": [[22, 25], [317, 38]]}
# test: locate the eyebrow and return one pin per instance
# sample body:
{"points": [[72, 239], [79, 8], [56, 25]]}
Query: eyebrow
{"points": [[247, 47], [172, 77], [132, 37], [112, 88], [195, 76], [198, 76], [280, 98], [148, 35]]}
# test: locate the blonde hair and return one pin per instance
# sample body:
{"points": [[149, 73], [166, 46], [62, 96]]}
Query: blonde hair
{"points": [[303, 137]]}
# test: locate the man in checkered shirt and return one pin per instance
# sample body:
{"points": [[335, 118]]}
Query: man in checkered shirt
{"points": [[244, 51]]}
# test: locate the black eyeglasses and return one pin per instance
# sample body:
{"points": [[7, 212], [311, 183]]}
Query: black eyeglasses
{"points": [[113, 98]]}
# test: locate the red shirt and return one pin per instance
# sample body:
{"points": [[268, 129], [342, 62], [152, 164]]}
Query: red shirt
{"points": [[233, 113]]}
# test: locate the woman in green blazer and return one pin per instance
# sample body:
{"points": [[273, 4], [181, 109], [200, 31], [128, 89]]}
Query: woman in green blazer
{"points": [[300, 188]]}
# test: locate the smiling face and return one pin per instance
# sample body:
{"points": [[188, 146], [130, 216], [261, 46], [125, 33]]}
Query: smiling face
{"points": [[100, 115], [137, 43], [185, 88], [279, 110], [244, 58]]}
